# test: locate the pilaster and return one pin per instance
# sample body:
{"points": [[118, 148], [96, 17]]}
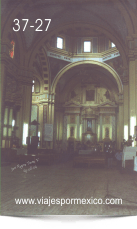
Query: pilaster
{"points": [[120, 129], [78, 127], [40, 127], [101, 119], [126, 109], [132, 95]]}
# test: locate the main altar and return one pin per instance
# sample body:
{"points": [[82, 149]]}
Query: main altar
{"points": [[88, 125], [87, 114]]}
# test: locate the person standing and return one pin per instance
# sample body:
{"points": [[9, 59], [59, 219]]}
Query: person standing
{"points": [[109, 156]]}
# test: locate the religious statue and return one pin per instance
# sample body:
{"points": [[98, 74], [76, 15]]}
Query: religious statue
{"points": [[106, 132], [90, 95], [107, 94], [73, 94], [72, 131]]}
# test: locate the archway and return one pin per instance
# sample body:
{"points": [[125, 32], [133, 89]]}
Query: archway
{"points": [[89, 62], [87, 95]]}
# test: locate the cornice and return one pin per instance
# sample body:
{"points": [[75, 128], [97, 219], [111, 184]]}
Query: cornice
{"points": [[49, 48]]}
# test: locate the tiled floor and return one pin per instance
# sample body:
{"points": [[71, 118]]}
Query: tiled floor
{"points": [[65, 181]]}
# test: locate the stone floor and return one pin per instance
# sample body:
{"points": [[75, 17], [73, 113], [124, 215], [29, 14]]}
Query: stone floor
{"points": [[66, 181]]}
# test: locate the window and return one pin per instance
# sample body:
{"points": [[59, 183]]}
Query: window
{"points": [[33, 86], [13, 123], [112, 45], [59, 42], [11, 52], [87, 46], [8, 122], [25, 133]]}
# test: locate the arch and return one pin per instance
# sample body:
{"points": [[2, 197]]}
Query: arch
{"points": [[103, 65]]}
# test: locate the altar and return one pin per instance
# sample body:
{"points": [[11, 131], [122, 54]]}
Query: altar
{"points": [[88, 124], [129, 153]]}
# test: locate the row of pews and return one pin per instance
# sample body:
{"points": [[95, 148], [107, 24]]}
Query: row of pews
{"points": [[89, 160], [21, 156], [89, 157]]}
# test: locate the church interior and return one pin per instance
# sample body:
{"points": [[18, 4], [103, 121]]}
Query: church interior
{"points": [[68, 96]]}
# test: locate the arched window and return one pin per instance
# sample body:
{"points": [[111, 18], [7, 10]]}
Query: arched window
{"points": [[11, 52], [33, 86], [113, 45]]}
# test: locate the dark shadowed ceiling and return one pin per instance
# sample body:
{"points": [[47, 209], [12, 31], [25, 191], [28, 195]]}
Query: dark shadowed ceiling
{"points": [[104, 14]]}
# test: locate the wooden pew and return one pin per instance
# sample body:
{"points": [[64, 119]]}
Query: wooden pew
{"points": [[89, 160]]}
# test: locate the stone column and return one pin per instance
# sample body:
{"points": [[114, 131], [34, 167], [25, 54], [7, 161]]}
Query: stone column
{"points": [[49, 114], [64, 143], [40, 127], [84, 125], [136, 87], [26, 105], [52, 116], [5, 47], [78, 127], [120, 128], [94, 126], [61, 120], [132, 95], [3, 89], [83, 94], [57, 126], [126, 109], [113, 128], [52, 122], [45, 120], [101, 119]]}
